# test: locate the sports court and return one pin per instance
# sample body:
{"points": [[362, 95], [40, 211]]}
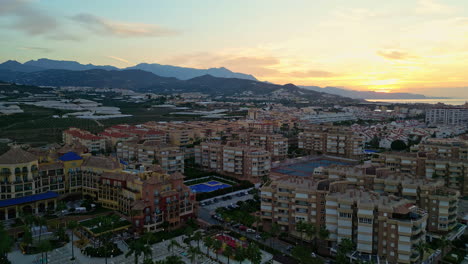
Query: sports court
{"points": [[208, 186], [307, 168]]}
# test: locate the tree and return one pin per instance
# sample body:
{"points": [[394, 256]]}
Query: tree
{"points": [[60, 206], [197, 236], [148, 237], [193, 253], [61, 235], [72, 226], [345, 247], [254, 254], [217, 245], [301, 227], [310, 230], [136, 248], [208, 240], [444, 243], [264, 236], [173, 243], [240, 254], [173, 260], [45, 247], [27, 236], [398, 145], [227, 253], [421, 248], [6, 243]]}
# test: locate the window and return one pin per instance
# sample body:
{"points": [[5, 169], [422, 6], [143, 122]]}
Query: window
{"points": [[345, 215], [365, 220]]}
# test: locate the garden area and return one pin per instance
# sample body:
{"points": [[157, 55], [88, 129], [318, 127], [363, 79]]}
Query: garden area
{"points": [[103, 224]]}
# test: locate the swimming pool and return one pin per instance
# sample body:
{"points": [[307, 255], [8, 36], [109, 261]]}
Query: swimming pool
{"points": [[208, 186]]}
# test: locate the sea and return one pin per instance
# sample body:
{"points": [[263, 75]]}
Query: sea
{"points": [[457, 101]]}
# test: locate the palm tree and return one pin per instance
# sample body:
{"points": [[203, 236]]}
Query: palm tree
{"points": [[72, 226], [310, 230], [44, 247], [208, 240], [444, 243], [40, 221], [300, 227], [173, 243], [227, 253], [148, 237], [193, 253], [421, 248], [6, 243], [173, 260], [197, 236], [275, 229], [239, 254], [136, 248], [217, 245], [27, 236], [258, 219], [253, 254]]}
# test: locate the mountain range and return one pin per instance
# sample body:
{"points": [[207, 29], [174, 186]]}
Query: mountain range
{"points": [[143, 81], [180, 73], [55, 73]]}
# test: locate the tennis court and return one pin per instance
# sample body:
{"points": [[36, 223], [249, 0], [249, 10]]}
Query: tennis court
{"points": [[208, 186], [307, 168]]}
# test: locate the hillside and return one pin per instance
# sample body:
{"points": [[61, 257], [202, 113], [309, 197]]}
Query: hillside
{"points": [[143, 81]]}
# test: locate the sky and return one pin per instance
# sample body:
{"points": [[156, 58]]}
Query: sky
{"points": [[417, 46]]}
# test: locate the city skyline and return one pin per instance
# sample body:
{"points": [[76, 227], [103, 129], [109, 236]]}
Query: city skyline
{"points": [[404, 46]]}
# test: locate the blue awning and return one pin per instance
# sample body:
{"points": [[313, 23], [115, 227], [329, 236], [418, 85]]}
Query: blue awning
{"points": [[28, 199]]}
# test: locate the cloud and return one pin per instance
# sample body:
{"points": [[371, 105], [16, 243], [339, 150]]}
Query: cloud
{"points": [[44, 50], [26, 18], [395, 54], [313, 74], [255, 65], [433, 7], [119, 59], [101, 25]]}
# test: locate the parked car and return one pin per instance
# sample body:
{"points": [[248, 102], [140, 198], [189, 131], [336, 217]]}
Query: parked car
{"points": [[257, 236], [215, 200], [250, 230], [242, 228], [289, 248]]}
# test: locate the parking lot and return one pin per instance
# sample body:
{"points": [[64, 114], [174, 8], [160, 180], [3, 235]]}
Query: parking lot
{"points": [[221, 203]]}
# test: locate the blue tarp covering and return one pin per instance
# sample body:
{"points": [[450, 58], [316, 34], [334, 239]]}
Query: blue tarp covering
{"points": [[69, 156], [28, 199]]}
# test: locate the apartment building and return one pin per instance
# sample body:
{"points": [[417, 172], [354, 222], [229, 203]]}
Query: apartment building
{"points": [[137, 133], [290, 200], [234, 159], [423, 192], [169, 157], [276, 144], [92, 142], [387, 226], [445, 148], [447, 116], [453, 171], [404, 162], [32, 184], [332, 140]]}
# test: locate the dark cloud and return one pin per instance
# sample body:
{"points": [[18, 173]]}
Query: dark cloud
{"points": [[394, 54], [31, 20], [101, 25]]}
